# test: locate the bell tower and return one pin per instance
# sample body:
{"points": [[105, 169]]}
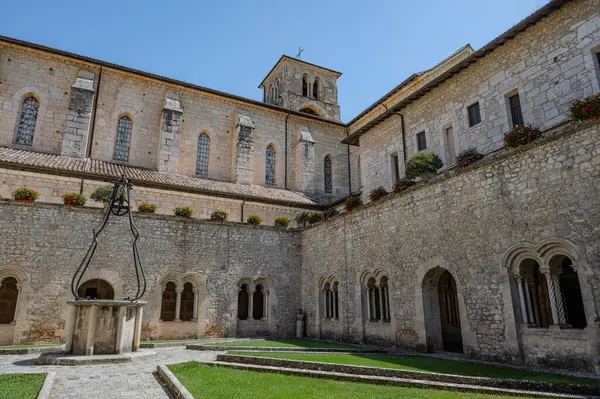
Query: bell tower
{"points": [[301, 86]]}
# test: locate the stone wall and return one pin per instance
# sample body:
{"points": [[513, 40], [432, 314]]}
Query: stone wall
{"points": [[550, 64], [45, 244], [466, 224]]}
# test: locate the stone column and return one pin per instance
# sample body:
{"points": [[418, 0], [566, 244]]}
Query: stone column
{"points": [[382, 303], [370, 303], [91, 332], [71, 329], [122, 317], [137, 328], [79, 116], [195, 315], [168, 147], [250, 304], [243, 151], [387, 303], [519, 281], [178, 304], [266, 304], [554, 292], [335, 305], [304, 154]]}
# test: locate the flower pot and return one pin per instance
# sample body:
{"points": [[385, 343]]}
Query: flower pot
{"points": [[28, 200]]}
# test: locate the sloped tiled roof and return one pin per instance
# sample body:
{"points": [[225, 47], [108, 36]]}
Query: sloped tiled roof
{"points": [[94, 168]]}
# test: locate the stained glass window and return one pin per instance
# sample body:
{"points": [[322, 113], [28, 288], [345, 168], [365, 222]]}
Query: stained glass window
{"points": [[27, 122], [327, 172], [270, 165], [203, 152], [123, 137]]}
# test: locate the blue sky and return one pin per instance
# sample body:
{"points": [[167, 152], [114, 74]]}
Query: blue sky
{"points": [[230, 45]]}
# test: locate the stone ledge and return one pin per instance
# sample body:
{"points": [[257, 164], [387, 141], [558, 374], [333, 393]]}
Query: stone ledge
{"points": [[25, 351], [215, 348], [67, 359], [524, 385], [393, 381], [175, 387], [46, 391]]}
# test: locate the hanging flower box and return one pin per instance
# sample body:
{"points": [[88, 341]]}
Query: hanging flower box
{"points": [[25, 194], [73, 199]]}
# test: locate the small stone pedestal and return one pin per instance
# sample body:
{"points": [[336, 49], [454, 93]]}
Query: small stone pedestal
{"points": [[103, 327]]}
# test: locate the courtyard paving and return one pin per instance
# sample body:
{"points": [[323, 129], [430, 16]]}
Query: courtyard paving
{"points": [[126, 380]]}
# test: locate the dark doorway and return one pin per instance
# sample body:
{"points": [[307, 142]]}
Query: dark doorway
{"points": [[449, 313], [96, 289], [569, 285]]}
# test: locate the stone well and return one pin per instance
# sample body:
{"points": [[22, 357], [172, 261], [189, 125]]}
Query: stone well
{"points": [[104, 327]]}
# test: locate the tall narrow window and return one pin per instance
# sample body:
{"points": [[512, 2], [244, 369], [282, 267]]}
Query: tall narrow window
{"points": [[474, 114], [9, 292], [421, 141], [203, 153], [373, 302], [305, 86], [186, 311], [243, 299], [336, 313], [515, 110], [316, 89], [395, 168], [451, 150], [385, 299], [29, 113], [327, 301], [123, 138], [270, 165], [327, 174], [258, 303], [169, 302]]}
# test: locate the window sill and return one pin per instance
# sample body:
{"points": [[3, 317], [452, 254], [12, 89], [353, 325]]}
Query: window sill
{"points": [[554, 330]]}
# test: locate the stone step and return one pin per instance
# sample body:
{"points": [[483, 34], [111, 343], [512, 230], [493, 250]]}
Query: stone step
{"points": [[223, 348], [411, 378]]}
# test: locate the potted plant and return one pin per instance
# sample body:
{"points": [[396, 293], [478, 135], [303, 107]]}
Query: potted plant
{"points": [[378, 193], [146, 207], [282, 221], [254, 220], [521, 135], [315, 218], [184, 211], [468, 156], [25, 194], [586, 109], [403, 184], [423, 164], [73, 199], [352, 201], [103, 194], [218, 215], [301, 218]]}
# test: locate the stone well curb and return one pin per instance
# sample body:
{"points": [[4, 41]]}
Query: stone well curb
{"points": [[223, 348], [173, 384], [400, 382], [524, 385], [46, 391], [66, 359], [25, 351]]}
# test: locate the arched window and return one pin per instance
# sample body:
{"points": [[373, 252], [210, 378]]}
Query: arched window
{"points": [[309, 111], [203, 154], [316, 89], [327, 174], [271, 96], [9, 293], [270, 165], [258, 303], [305, 86], [29, 112], [373, 300], [533, 291], [96, 289], [242, 311], [124, 127], [186, 312], [169, 302], [327, 301], [276, 91], [568, 285]]}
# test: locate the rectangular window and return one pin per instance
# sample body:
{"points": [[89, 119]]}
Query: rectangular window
{"points": [[515, 110], [449, 138], [474, 114], [395, 168], [421, 141]]}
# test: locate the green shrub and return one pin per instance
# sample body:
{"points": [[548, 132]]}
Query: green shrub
{"points": [[146, 207], [422, 164], [352, 201], [301, 218], [521, 135], [254, 220], [403, 184], [586, 109], [73, 199], [25, 194], [468, 156], [218, 215], [282, 221], [377, 193], [102, 194], [184, 211], [315, 218]]}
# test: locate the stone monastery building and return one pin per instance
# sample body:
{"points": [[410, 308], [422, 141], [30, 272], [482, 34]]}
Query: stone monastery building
{"points": [[499, 261]]}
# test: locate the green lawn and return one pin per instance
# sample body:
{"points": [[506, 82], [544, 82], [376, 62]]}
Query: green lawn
{"points": [[287, 343], [206, 381], [28, 346], [21, 386], [425, 363]]}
